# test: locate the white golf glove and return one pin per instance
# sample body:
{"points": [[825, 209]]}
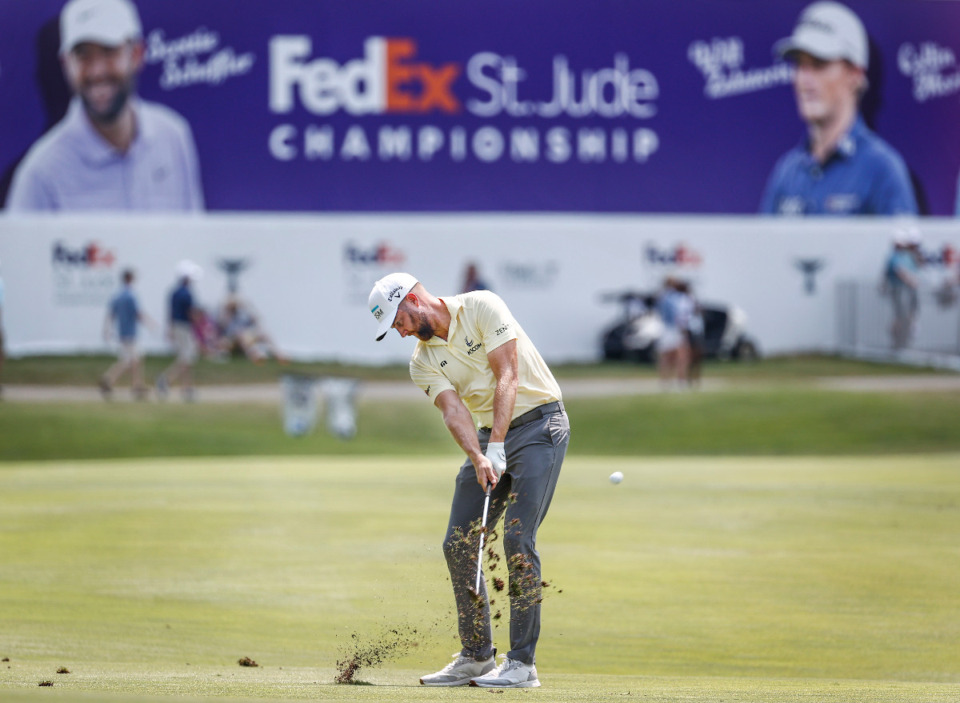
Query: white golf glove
{"points": [[497, 456]]}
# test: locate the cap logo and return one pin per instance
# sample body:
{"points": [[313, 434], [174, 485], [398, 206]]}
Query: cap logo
{"points": [[386, 298], [815, 23]]}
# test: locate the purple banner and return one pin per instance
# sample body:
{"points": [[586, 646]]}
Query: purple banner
{"points": [[667, 106]]}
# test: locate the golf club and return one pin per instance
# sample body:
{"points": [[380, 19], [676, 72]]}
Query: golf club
{"points": [[483, 533]]}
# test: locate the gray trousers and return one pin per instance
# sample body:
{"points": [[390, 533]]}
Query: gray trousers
{"points": [[535, 452]]}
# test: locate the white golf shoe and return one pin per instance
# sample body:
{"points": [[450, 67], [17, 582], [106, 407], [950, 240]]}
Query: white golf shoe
{"points": [[510, 674], [459, 672]]}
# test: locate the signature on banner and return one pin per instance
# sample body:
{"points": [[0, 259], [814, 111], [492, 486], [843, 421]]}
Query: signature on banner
{"points": [[195, 58], [932, 67], [721, 63]]}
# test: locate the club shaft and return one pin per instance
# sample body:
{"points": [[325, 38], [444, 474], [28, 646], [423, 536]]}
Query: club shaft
{"points": [[483, 533]]}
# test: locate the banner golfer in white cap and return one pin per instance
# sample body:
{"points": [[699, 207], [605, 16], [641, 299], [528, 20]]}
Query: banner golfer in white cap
{"points": [[112, 150], [841, 167], [476, 364]]}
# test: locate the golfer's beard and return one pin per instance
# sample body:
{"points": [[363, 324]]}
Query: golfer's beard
{"points": [[425, 330], [109, 115]]}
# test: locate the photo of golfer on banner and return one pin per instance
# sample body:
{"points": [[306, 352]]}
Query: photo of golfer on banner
{"points": [[476, 364]]}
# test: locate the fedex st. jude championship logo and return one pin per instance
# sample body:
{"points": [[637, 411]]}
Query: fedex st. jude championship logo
{"points": [[539, 109]]}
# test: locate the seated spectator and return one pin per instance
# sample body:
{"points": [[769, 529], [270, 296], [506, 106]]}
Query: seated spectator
{"points": [[240, 331]]}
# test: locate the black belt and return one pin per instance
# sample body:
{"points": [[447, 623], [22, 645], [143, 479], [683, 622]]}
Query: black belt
{"points": [[535, 414]]}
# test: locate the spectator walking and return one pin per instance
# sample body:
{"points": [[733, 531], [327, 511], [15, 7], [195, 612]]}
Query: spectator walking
{"points": [[184, 315], [123, 319]]}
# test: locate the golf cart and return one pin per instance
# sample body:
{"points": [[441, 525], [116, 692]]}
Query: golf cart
{"points": [[634, 337]]}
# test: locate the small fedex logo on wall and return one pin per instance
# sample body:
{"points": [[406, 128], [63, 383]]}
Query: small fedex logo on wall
{"points": [[679, 260], [364, 264], [678, 256], [82, 275]]}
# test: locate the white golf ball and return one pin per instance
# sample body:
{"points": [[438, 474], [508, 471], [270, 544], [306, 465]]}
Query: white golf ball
{"points": [[616, 477]]}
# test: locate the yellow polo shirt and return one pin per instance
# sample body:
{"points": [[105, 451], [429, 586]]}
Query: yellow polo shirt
{"points": [[479, 323]]}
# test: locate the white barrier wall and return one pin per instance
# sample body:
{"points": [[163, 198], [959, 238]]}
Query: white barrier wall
{"points": [[309, 276]]}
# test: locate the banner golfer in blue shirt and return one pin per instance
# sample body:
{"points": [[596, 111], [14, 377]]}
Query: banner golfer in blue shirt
{"points": [[841, 167]]}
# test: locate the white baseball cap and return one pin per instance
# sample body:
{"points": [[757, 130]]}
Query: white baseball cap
{"points": [[385, 298], [189, 269], [907, 235], [104, 22], [828, 31]]}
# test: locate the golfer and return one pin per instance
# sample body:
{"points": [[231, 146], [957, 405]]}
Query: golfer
{"points": [[480, 369]]}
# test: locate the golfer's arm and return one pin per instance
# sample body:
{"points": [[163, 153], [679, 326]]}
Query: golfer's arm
{"points": [[505, 367], [460, 423]]}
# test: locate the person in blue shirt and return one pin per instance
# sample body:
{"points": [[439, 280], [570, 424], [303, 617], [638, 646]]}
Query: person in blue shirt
{"points": [[123, 318], [472, 281], [673, 348], [184, 318], [958, 197], [841, 167], [901, 282]]}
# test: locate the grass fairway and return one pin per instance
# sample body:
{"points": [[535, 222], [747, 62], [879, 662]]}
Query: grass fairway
{"points": [[733, 579], [86, 369], [765, 421]]}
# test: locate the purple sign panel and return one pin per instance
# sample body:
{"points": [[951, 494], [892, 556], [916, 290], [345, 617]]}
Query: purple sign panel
{"points": [[664, 106]]}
